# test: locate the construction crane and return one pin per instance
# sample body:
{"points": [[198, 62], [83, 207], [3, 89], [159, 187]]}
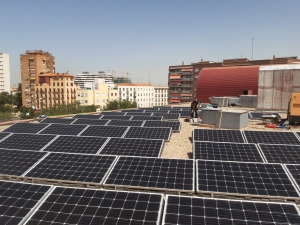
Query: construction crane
{"points": [[121, 71]]}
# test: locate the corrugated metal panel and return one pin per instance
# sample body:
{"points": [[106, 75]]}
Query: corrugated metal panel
{"points": [[174, 100], [175, 82], [229, 81], [276, 86]]}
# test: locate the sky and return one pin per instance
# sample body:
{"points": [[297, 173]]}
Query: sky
{"points": [[144, 37]]}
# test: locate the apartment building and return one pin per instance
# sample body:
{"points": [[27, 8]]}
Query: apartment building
{"points": [[54, 89], [4, 73], [161, 95], [99, 95], [182, 79], [33, 63], [143, 94], [86, 77]]}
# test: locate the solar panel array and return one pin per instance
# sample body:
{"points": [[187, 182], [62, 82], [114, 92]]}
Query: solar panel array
{"points": [[194, 210], [73, 144], [153, 173], [289, 154], [146, 117], [91, 122], [104, 131], [149, 133], [270, 137], [116, 117], [26, 141], [63, 129], [130, 123], [240, 178], [57, 120], [84, 116], [113, 113], [18, 199], [72, 167], [67, 205], [168, 116], [257, 115], [133, 147], [26, 128], [226, 151], [175, 125], [218, 135]]}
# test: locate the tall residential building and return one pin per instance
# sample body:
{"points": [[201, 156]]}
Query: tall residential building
{"points": [[99, 95], [34, 63], [161, 95], [143, 94], [4, 73], [182, 79], [86, 77], [55, 89]]}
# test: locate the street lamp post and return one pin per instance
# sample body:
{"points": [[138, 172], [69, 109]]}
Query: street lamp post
{"points": [[41, 106]]}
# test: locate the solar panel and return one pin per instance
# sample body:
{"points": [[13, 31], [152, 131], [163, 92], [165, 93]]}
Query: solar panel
{"points": [[26, 128], [289, 154], [185, 113], [72, 167], [88, 206], [146, 118], [130, 110], [149, 133], [17, 200], [194, 210], [57, 120], [241, 178], [26, 141], [104, 131], [113, 113], [153, 173], [271, 137], [63, 129], [138, 113], [226, 151], [218, 135], [3, 135], [168, 116], [174, 110], [149, 108], [17, 162], [130, 123], [107, 117], [133, 147], [294, 170], [258, 115], [87, 116], [175, 125], [74, 144], [90, 122]]}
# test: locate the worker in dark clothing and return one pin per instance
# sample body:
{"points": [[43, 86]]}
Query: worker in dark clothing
{"points": [[194, 107]]}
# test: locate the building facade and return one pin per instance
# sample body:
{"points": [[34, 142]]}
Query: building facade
{"points": [[4, 73], [99, 96], [142, 94], [161, 95], [33, 64], [90, 78], [182, 79], [54, 89]]}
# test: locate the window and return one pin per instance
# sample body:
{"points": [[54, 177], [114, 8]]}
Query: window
{"points": [[97, 101], [82, 95], [85, 94], [196, 69]]}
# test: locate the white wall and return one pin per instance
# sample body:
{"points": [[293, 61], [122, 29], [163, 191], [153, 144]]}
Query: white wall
{"points": [[144, 94], [4, 73]]}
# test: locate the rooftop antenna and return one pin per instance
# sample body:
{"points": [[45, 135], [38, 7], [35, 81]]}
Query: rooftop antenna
{"points": [[252, 52]]}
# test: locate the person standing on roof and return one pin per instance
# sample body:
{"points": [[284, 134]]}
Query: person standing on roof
{"points": [[194, 107]]}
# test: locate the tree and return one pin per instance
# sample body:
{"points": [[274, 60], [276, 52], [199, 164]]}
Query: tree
{"points": [[124, 104]]}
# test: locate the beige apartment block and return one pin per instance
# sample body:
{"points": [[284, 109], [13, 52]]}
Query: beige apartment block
{"points": [[161, 95], [98, 96], [33, 63], [55, 89]]}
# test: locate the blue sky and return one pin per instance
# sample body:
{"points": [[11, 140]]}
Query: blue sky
{"points": [[138, 35]]}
